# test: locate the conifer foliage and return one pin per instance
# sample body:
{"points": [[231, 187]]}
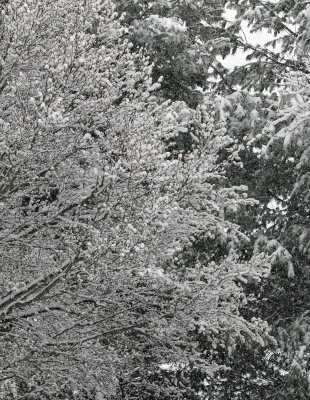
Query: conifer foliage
{"points": [[183, 38]]}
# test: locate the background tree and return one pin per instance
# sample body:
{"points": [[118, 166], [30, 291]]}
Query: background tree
{"points": [[275, 166], [183, 40]]}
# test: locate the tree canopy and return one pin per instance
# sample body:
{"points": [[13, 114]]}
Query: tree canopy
{"points": [[98, 210], [154, 204]]}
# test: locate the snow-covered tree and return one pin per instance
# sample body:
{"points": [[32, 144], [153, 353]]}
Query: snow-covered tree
{"points": [[276, 173], [94, 211], [286, 20], [289, 140], [183, 39]]}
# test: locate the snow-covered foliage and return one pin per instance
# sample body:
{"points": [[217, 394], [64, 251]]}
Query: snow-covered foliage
{"points": [[280, 172], [291, 131], [290, 140], [95, 211], [183, 39]]}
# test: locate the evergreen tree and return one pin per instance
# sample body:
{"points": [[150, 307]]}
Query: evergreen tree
{"points": [[275, 167], [183, 39]]}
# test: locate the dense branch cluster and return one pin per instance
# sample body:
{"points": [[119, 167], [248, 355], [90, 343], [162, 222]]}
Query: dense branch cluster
{"points": [[95, 213]]}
